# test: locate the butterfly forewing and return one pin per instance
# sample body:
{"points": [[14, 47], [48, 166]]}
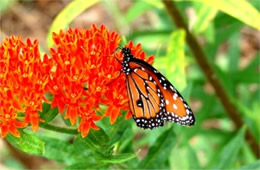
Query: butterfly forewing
{"points": [[175, 108], [146, 104]]}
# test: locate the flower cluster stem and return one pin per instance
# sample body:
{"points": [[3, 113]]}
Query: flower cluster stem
{"points": [[210, 73], [59, 129]]}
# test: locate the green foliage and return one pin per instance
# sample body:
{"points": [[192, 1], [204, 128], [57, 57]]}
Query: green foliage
{"points": [[47, 113], [159, 151], [254, 165], [204, 18], [229, 153], [246, 13], [27, 143]]}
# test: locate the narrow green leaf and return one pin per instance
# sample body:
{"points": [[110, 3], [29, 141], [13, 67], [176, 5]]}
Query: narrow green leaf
{"points": [[119, 18], [209, 33], [193, 159], [99, 137], [176, 60], [27, 143], [48, 113], [66, 121], [119, 158], [204, 18], [253, 66], [159, 152], [225, 80], [245, 76], [233, 52], [155, 3], [85, 165], [255, 165], [137, 9], [187, 91], [251, 115], [118, 129], [229, 153], [70, 12], [246, 13], [97, 141]]}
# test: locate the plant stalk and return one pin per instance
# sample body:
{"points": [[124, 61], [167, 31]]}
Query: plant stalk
{"points": [[210, 74]]}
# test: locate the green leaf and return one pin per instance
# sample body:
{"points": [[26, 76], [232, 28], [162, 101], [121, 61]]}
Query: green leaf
{"points": [[118, 129], [70, 12], [85, 165], [229, 153], [27, 143], [204, 18], [209, 33], [252, 166], [245, 76], [119, 18], [251, 115], [233, 52], [137, 9], [193, 159], [61, 150], [248, 75], [48, 113], [159, 152], [253, 66], [155, 3], [176, 60], [97, 141], [119, 158], [246, 13]]}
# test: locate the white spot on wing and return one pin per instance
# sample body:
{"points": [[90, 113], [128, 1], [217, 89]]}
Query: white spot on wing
{"points": [[167, 101], [175, 96], [175, 106]]}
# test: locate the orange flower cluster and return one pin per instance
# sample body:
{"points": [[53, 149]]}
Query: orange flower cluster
{"points": [[23, 78], [81, 74]]}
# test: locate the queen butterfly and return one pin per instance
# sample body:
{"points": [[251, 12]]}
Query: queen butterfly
{"points": [[153, 100]]}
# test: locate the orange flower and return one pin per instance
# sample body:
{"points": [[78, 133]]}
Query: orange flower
{"points": [[23, 77], [87, 74]]}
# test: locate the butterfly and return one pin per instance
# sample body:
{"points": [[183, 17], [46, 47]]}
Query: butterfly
{"points": [[153, 100]]}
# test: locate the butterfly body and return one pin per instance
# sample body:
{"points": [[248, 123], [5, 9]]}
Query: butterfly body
{"points": [[153, 100]]}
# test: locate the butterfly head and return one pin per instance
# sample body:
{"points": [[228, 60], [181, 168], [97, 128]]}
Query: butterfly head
{"points": [[127, 54]]}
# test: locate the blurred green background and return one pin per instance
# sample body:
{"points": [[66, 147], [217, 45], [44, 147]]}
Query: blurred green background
{"points": [[228, 32]]}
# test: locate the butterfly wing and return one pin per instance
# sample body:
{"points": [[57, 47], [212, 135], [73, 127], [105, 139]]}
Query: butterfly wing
{"points": [[153, 99], [145, 104]]}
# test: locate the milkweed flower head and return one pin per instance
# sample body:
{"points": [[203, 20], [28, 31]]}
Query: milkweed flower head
{"points": [[23, 79], [86, 58]]}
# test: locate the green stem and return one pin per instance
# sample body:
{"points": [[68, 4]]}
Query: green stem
{"points": [[209, 72], [59, 129]]}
